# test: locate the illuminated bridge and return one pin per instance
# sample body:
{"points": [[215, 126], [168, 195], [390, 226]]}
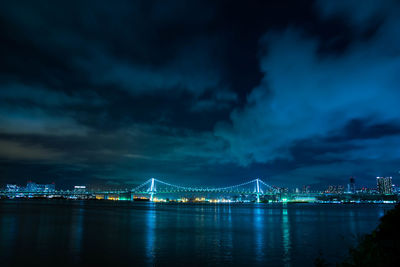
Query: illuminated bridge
{"points": [[255, 187]]}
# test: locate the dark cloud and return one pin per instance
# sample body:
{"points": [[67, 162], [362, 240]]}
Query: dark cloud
{"points": [[305, 95]]}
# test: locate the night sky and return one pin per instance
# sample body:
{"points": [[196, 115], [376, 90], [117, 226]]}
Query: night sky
{"points": [[199, 92]]}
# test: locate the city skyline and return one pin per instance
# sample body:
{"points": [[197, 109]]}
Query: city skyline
{"points": [[384, 185], [253, 191], [295, 93]]}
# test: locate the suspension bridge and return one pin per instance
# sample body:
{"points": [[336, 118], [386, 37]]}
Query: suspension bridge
{"points": [[255, 187]]}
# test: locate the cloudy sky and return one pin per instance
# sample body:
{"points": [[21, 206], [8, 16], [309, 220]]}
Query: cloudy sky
{"points": [[199, 92]]}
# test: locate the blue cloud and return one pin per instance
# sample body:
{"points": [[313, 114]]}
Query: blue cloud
{"points": [[306, 95]]}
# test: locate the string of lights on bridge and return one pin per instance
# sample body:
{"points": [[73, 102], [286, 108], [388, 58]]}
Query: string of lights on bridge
{"points": [[155, 186], [152, 187]]}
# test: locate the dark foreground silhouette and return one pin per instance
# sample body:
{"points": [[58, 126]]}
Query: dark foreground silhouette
{"points": [[380, 248]]}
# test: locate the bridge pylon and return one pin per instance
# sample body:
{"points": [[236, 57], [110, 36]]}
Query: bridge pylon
{"points": [[258, 192], [152, 189]]}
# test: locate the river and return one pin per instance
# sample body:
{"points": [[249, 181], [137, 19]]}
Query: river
{"points": [[107, 233]]}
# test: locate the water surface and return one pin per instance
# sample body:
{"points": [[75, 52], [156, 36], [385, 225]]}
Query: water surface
{"points": [[61, 232]]}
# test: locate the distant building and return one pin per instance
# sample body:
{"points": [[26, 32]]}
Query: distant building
{"points": [[34, 187], [340, 189], [50, 187], [395, 189], [305, 189], [12, 188], [40, 187], [284, 190], [333, 189], [366, 190], [384, 185], [79, 189], [351, 187], [31, 186]]}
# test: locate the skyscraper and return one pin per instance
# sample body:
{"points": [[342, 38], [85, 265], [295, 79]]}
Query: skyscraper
{"points": [[384, 185], [351, 187]]}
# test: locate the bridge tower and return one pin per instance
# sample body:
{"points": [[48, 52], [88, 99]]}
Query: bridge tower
{"points": [[152, 190], [258, 192]]}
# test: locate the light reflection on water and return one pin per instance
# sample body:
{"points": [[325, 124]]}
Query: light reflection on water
{"points": [[151, 218], [229, 237], [126, 233], [286, 236], [76, 235], [259, 232]]}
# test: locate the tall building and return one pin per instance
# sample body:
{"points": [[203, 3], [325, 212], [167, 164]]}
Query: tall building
{"points": [[384, 185], [351, 187]]}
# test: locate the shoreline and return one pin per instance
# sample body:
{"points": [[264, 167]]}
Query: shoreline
{"points": [[200, 202]]}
